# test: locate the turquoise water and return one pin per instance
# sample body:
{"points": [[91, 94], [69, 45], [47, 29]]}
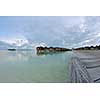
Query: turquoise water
{"points": [[26, 66]]}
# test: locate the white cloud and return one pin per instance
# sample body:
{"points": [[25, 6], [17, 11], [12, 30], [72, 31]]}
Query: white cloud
{"points": [[59, 31]]}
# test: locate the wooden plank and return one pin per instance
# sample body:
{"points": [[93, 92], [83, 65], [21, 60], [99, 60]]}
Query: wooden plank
{"points": [[79, 73], [87, 65]]}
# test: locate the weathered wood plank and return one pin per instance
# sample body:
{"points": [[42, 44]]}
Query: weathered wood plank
{"points": [[87, 64], [79, 73]]}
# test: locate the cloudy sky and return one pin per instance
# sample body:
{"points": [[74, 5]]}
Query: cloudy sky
{"points": [[64, 31]]}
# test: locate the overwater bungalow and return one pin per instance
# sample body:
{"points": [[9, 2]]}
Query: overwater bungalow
{"points": [[51, 49]]}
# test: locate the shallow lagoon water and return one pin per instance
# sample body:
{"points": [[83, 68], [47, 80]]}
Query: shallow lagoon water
{"points": [[27, 66]]}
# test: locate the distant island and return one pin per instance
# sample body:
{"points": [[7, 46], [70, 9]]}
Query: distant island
{"points": [[88, 48], [12, 49]]}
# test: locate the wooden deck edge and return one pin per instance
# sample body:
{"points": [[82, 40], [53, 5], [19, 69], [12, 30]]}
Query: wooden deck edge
{"points": [[78, 72]]}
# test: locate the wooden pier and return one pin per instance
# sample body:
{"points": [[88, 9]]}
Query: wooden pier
{"points": [[85, 67]]}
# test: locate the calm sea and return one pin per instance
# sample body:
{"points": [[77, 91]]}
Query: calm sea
{"points": [[27, 66]]}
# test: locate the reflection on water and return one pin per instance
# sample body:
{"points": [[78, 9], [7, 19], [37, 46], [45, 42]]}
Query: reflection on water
{"points": [[26, 66]]}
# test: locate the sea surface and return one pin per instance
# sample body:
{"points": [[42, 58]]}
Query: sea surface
{"points": [[28, 67]]}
